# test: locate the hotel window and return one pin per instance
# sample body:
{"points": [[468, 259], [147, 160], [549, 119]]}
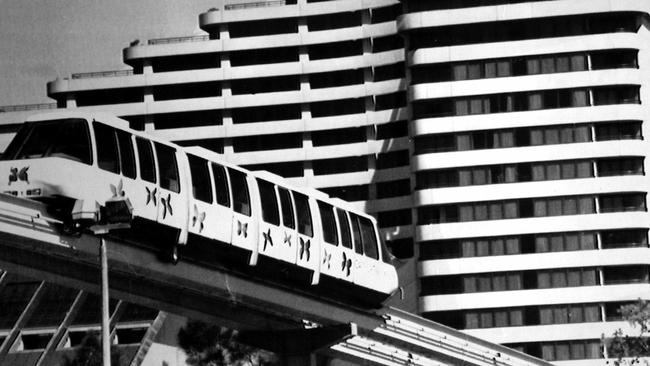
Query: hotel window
{"points": [[485, 282], [521, 66], [559, 135], [489, 247], [572, 350], [493, 318], [557, 206], [573, 313], [620, 130], [509, 209], [524, 101], [627, 238], [622, 202], [560, 242], [562, 170], [618, 275], [567, 277], [616, 95], [614, 59], [620, 166], [613, 310]]}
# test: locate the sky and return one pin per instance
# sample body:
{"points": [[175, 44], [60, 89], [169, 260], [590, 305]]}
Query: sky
{"points": [[41, 40]]}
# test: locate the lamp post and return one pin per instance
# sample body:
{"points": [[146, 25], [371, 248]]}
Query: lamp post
{"points": [[117, 213]]}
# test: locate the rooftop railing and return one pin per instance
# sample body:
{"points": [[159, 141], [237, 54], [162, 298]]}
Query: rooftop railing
{"points": [[178, 39], [101, 74], [256, 4], [27, 107]]}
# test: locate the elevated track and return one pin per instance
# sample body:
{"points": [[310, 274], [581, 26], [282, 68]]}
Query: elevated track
{"points": [[270, 316]]}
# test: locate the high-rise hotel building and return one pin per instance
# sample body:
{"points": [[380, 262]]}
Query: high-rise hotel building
{"points": [[501, 143]]}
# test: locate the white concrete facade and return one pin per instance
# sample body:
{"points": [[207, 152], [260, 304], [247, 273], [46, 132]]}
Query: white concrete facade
{"points": [[495, 258]]}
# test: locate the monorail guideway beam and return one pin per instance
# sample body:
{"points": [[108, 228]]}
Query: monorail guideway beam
{"points": [[271, 317]]}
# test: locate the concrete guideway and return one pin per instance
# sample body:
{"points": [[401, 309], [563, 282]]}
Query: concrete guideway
{"points": [[269, 316]]}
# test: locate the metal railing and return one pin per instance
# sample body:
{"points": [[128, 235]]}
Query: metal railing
{"points": [[256, 4], [27, 107], [178, 39], [101, 74]]}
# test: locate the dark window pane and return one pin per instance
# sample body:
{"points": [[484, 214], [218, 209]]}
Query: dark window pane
{"points": [[201, 187], [145, 156], [107, 156], [269, 202], [167, 167], [61, 138], [286, 208], [304, 214], [368, 237], [329, 225], [240, 196], [344, 227], [221, 185], [127, 158]]}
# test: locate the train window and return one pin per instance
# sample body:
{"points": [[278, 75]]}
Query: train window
{"points": [[369, 238], [145, 156], [221, 185], [286, 208], [344, 228], [107, 155], [65, 138], [304, 214], [167, 167], [240, 196], [356, 234], [329, 225], [127, 158], [201, 187], [269, 202]]}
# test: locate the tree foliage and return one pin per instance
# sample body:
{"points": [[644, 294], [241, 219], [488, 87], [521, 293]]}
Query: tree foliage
{"points": [[212, 345], [89, 353], [630, 349]]}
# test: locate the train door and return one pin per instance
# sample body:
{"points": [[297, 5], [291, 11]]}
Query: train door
{"points": [[289, 233], [244, 230], [269, 237], [307, 251], [115, 156], [202, 211], [222, 221], [330, 251], [366, 247], [145, 202], [172, 205], [347, 261]]}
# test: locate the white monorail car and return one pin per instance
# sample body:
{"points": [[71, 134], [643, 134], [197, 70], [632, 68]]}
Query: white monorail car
{"points": [[188, 198]]}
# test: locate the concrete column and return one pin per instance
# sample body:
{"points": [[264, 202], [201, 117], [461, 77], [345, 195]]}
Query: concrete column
{"points": [[224, 33], [148, 94], [147, 68], [148, 123], [70, 101]]}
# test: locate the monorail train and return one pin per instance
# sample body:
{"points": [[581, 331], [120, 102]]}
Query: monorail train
{"points": [[189, 198]]}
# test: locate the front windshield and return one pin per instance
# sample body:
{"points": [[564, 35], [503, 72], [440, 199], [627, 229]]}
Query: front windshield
{"points": [[65, 138]]}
